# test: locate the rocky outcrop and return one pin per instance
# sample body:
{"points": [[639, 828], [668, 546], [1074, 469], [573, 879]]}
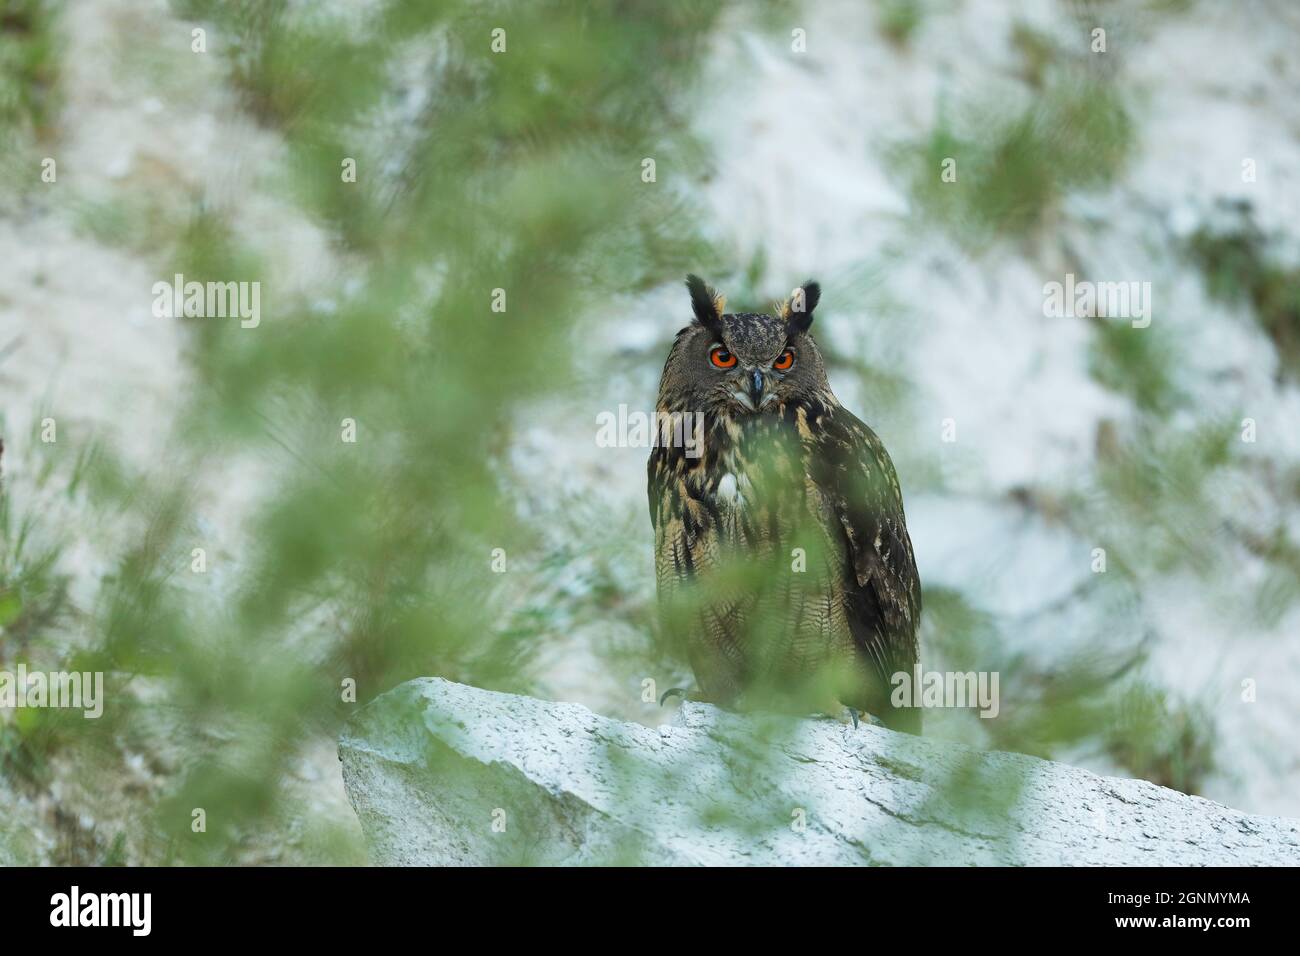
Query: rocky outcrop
{"points": [[442, 773]]}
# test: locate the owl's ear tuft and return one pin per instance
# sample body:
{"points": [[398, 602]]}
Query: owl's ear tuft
{"points": [[797, 311], [707, 304]]}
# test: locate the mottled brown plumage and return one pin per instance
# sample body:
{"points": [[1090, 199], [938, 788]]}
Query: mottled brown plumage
{"points": [[781, 551]]}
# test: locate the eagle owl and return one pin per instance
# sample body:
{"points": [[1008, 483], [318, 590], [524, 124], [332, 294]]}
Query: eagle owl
{"points": [[781, 552]]}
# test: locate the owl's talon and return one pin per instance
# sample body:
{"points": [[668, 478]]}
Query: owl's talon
{"points": [[846, 715], [840, 713], [679, 691]]}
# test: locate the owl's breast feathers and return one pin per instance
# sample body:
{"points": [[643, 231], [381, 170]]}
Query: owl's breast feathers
{"points": [[763, 485]]}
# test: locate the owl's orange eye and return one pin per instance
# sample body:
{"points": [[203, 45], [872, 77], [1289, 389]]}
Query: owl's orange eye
{"points": [[786, 360], [722, 358]]}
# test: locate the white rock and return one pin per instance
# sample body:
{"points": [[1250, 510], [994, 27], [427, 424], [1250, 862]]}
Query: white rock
{"points": [[442, 773]]}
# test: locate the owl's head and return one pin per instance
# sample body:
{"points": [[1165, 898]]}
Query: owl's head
{"points": [[743, 363]]}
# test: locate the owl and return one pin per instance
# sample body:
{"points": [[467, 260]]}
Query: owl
{"points": [[784, 568]]}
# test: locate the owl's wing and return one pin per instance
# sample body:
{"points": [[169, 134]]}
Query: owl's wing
{"points": [[679, 522], [856, 479], [706, 625], [661, 481]]}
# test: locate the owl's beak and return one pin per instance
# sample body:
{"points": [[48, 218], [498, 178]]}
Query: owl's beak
{"points": [[750, 389]]}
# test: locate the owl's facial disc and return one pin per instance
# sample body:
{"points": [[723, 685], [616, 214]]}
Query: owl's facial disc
{"points": [[748, 362], [748, 380]]}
